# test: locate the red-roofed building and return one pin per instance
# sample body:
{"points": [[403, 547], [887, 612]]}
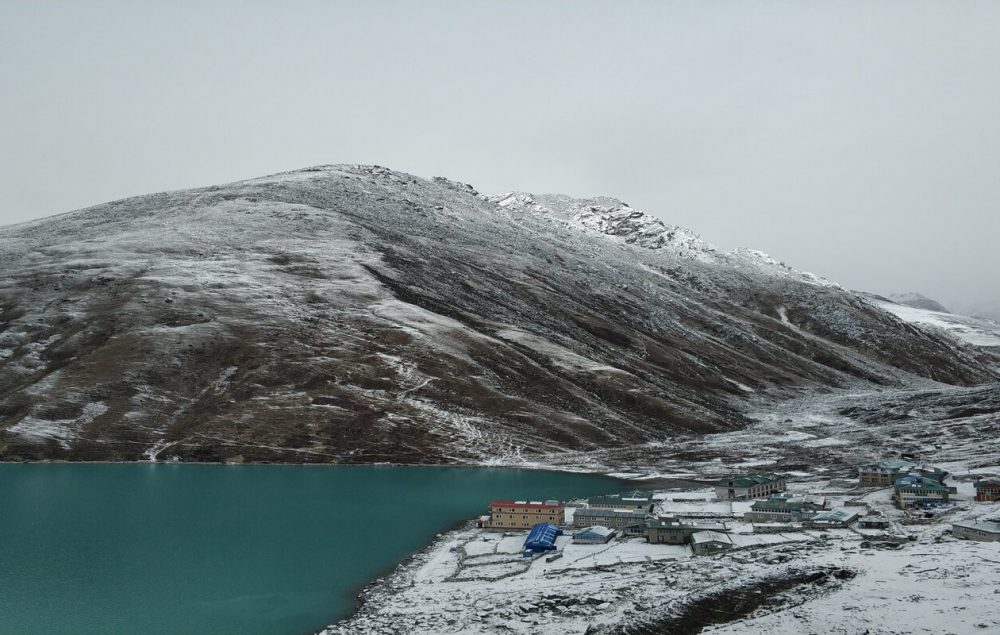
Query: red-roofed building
{"points": [[524, 514]]}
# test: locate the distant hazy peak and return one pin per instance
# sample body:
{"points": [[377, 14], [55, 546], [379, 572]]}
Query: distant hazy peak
{"points": [[918, 301]]}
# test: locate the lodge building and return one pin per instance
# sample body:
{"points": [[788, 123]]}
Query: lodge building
{"points": [[749, 486], [988, 490], [524, 514]]}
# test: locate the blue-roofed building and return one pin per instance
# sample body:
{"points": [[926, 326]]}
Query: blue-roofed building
{"points": [[749, 486], [542, 537], [885, 473]]}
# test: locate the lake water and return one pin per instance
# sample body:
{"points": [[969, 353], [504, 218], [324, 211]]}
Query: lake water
{"points": [[225, 550]]}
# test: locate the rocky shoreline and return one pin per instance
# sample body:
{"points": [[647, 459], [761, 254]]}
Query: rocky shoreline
{"points": [[470, 580]]}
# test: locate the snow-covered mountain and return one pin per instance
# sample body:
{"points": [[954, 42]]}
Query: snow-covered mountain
{"points": [[357, 314], [984, 309], [918, 301], [974, 331]]}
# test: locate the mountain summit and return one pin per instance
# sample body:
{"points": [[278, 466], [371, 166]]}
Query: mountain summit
{"points": [[356, 314]]}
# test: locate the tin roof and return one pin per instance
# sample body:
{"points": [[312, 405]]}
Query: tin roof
{"points": [[614, 500], [892, 464], [987, 526], [673, 523], [597, 530], [701, 537], [542, 537], [882, 520], [525, 504], [749, 480], [839, 515], [610, 513], [919, 482], [784, 502]]}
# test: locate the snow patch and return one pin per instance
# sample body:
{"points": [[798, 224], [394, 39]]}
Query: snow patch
{"points": [[62, 430], [974, 331], [558, 355]]}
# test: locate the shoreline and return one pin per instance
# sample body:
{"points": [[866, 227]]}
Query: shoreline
{"points": [[469, 580], [331, 578], [651, 482], [360, 595], [509, 466], [402, 571]]}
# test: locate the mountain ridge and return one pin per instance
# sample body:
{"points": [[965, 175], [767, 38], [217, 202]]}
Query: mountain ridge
{"points": [[353, 313]]}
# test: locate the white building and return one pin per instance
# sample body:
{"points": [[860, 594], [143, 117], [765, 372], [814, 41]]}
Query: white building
{"points": [[709, 542], [969, 530], [596, 535]]}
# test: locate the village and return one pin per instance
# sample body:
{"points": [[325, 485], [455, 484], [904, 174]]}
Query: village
{"points": [[660, 557], [747, 505]]}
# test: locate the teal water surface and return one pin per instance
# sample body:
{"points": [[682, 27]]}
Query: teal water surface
{"points": [[224, 550]]}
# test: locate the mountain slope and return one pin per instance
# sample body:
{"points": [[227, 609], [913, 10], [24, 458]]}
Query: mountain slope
{"points": [[356, 314]]}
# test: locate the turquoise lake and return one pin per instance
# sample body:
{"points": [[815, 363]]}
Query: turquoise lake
{"points": [[225, 550]]}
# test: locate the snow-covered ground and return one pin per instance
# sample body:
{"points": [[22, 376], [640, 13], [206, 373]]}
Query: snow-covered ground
{"points": [[914, 578], [974, 331], [911, 578]]}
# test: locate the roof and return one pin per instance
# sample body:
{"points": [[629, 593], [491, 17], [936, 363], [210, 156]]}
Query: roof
{"points": [[785, 503], [597, 530], [673, 523], [525, 504], [666, 522], [875, 519], [835, 515], [992, 480], [935, 473], [614, 500], [919, 482], [892, 464], [701, 537], [542, 536], [609, 513], [991, 527], [749, 480]]}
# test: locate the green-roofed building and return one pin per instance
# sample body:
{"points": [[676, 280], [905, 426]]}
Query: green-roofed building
{"points": [[782, 508], [673, 531], [749, 486], [833, 518], [919, 491], [635, 501], [612, 518]]}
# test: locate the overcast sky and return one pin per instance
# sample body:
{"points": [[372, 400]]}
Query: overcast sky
{"points": [[860, 141]]}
